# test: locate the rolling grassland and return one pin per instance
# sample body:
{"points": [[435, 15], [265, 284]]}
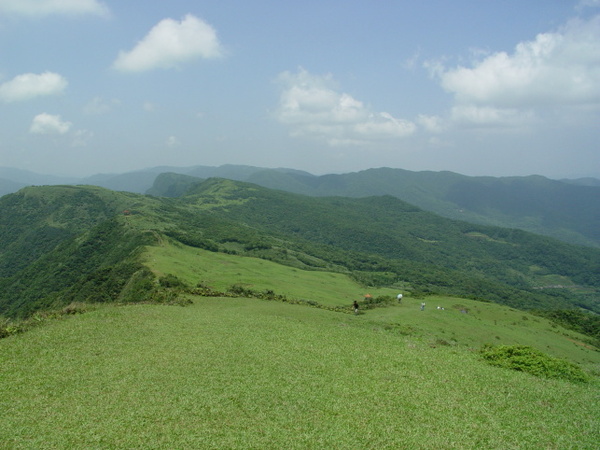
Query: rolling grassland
{"points": [[267, 352], [251, 373], [461, 322]]}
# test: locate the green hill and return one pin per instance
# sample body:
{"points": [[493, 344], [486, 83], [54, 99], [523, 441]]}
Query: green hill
{"points": [[267, 352], [61, 244], [417, 246], [245, 373], [565, 211]]}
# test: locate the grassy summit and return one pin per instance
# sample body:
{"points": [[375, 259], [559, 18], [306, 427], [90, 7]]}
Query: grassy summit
{"points": [[246, 373]]}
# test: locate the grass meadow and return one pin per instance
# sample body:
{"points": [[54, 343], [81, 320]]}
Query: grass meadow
{"points": [[472, 324], [247, 373], [462, 322], [220, 271]]}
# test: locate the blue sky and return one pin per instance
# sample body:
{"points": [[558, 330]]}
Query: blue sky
{"points": [[479, 88]]}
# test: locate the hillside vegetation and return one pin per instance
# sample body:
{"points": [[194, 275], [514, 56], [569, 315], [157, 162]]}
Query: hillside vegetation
{"points": [[568, 210], [536, 204], [418, 247], [268, 352], [61, 244]]}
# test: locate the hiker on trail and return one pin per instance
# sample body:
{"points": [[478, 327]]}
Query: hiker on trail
{"points": [[423, 306], [399, 298], [355, 306]]}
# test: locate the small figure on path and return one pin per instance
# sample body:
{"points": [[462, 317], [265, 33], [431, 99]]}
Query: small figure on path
{"points": [[399, 298], [423, 306], [355, 306]]}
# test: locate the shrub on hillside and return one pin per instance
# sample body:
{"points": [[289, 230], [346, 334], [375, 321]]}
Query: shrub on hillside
{"points": [[527, 359], [9, 327], [374, 302], [171, 281], [584, 322], [194, 239], [75, 308]]}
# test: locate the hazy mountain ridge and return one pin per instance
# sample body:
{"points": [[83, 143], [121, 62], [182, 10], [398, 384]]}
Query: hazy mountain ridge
{"points": [[586, 181], [564, 211], [568, 210]]}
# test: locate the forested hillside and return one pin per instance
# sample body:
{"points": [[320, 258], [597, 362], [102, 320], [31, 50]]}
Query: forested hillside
{"points": [[566, 211], [466, 259], [64, 243]]}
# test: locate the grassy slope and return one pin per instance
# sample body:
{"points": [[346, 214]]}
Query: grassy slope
{"points": [[247, 373], [483, 323], [243, 373], [220, 271]]}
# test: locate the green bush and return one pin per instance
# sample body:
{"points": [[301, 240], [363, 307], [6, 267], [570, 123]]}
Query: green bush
{"points": [[584, 322], [75, 308], [379, 301], [9, 327], [527, 359], [171, 281]]}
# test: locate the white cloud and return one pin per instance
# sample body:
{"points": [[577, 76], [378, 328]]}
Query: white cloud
{"points": [[412, 62], [172, 142], [383, 125], [31, 85], [588, 3], [487, 115], [555, 69], [81, 138], [313, 107], [433, 124], [38, 8], [149, 107], [98, 105], [554, 72], [171, 43], [49, 124]]}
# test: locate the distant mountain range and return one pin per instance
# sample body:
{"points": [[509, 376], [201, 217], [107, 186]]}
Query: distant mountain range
{"points": [[568, 210]]}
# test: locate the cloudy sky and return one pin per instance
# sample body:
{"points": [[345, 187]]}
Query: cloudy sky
{"points": [[327, 86]]}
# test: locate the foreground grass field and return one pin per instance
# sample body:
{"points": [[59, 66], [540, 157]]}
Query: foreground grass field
{"points": [[246, 373], [472, 324]]}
